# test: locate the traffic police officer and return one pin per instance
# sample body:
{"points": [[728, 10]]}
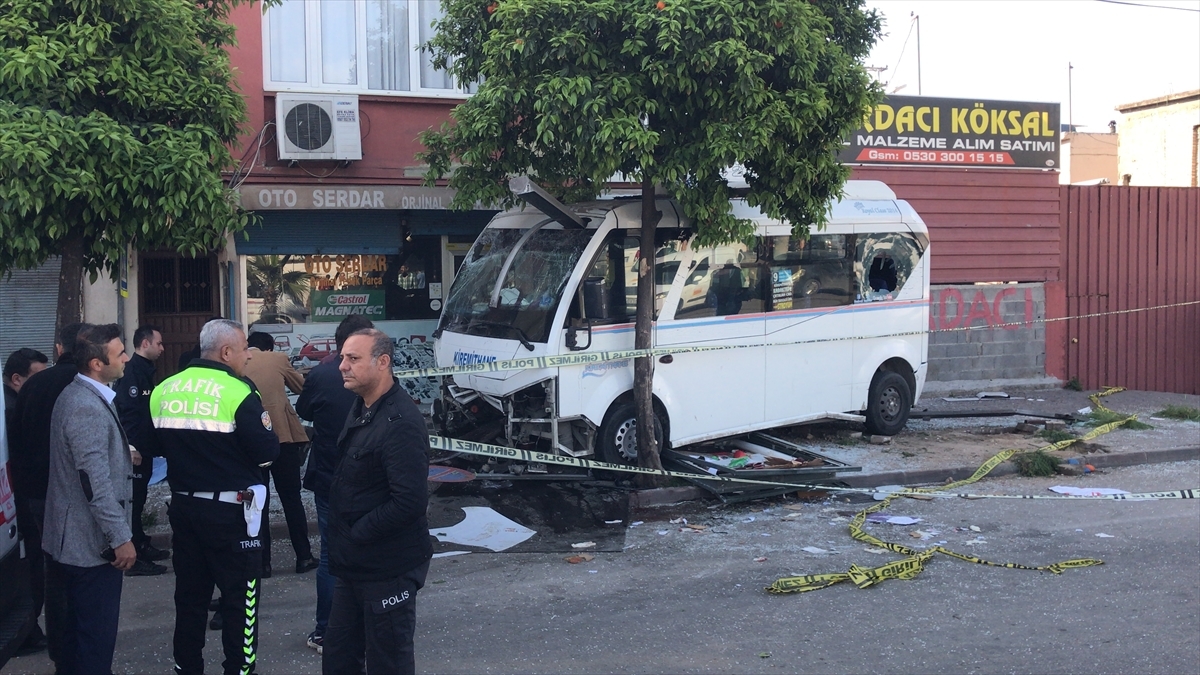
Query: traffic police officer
{"points": [[215, 435]]}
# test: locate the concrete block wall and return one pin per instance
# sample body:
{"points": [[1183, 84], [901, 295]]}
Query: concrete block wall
{"points": [[1006, 340]]}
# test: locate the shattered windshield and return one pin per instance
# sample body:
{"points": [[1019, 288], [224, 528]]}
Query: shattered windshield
{"points": [[531, 288]]}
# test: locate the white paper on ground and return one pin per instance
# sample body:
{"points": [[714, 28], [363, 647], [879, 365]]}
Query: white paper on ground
{"points": [[1086, 492], [447, 554], [485, 528], [814, 550]]}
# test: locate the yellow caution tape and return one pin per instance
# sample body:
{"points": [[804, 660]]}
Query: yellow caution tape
{"points": [[915, 561]]}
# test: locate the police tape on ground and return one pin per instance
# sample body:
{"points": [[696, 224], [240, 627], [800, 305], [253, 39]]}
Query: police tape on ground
{"points": [[862, 577]]}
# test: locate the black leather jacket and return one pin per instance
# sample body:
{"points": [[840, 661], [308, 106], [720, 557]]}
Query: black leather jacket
{"points": [[378, 498]]}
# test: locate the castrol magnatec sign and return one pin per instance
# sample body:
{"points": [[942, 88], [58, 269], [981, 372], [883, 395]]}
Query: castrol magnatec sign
{"points": [[336, 305], [922, 130]]}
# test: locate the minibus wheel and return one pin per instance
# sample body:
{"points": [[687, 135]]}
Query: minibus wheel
{"points": [[889, 401], [618, 435]]}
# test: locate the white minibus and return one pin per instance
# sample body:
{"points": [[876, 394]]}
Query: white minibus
{"points": [[833, 326]]}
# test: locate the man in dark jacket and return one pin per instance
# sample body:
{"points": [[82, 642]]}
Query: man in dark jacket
{"points": [[30, 471], [133, 405], [379, 547], [326, 402]]}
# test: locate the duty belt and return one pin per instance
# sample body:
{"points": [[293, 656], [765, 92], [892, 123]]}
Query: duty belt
{"points": [[230, 497]]}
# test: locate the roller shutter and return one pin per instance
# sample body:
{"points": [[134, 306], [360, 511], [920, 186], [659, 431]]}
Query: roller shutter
{"points": [[28, 305]]}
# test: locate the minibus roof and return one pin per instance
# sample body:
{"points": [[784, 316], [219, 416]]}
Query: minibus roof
{"points": [[864, 203]]}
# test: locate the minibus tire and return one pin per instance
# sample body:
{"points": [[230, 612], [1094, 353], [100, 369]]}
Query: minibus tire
{"points": [[889, 402], [618, 428]]}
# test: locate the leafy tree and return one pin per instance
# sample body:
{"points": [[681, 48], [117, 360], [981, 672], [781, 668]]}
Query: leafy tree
{"points": [[669, 92], [115, 121]]}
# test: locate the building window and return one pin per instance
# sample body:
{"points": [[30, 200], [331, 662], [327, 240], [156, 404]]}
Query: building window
{"points": [[326, 288], [354, 46]]}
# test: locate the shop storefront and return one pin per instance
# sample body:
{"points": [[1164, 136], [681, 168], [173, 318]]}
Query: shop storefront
{"points": [[321, 253]]}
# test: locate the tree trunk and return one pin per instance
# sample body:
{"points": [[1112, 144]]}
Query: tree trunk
{"points": [[70, 284], [643, 368]]}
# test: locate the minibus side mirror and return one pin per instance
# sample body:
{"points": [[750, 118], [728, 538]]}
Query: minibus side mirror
{"points": [[572, 338]]}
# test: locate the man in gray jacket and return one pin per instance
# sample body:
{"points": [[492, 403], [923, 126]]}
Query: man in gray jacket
{"points": [[89, 498]]}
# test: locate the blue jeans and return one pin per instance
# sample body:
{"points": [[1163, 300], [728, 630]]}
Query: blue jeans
{"points": [[325, 580]]}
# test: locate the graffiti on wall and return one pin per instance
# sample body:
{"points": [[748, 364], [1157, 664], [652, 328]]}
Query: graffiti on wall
{"points": [[992, 306]]}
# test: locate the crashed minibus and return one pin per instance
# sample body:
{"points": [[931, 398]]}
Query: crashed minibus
{"points": [[833, 326]]}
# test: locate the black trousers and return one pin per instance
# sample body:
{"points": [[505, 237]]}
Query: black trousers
{"points": [[373, 621], [31, 515], [286, 472], [89, 630], [210, 546], [141, 483]]}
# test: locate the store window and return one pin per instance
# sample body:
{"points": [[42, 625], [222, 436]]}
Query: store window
{"points": [[327, 288], [723, 280], [810, 272], [354, 46]]}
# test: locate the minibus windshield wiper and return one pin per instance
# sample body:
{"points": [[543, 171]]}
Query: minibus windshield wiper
{"points": [[525, 342]]}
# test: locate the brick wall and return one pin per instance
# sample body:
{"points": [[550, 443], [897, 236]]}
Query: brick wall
{"points": [[993, 350]]}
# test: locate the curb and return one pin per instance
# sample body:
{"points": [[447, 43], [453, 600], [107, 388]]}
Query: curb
{"points": [[674, 495]]}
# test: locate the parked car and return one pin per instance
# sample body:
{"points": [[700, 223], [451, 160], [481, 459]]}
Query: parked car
{"points": [[312, 353]]}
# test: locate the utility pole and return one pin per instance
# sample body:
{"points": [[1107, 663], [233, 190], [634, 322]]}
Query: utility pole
{"points": [[877, 71], [1070, 98], [917, 18]]}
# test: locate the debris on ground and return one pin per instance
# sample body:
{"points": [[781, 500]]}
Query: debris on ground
{"points": [[584, 544], [581, 558], [485, 528]]}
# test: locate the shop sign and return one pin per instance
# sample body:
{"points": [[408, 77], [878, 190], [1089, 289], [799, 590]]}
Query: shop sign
{"points": [[333, 306], [923, 130], [344, 197]]}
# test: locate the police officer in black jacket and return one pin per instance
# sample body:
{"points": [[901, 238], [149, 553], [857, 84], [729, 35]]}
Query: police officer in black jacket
{"points": [[325, 401], [30, 467], [133, 407], [216, 438], [379, 547]]}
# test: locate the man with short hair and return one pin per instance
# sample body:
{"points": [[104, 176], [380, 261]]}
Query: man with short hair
{"points": [[87, 540], [379, 548], [20, 365], [29, 471], [133, 407], [217, 438], [326, 402]]}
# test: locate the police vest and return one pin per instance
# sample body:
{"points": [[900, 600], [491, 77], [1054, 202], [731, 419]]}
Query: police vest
{"points": [[200, 399]]}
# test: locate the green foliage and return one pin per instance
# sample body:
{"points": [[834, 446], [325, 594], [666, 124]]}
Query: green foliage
{"points": [[115, 116], [1037, 463], [1055, 435], [1180, 412], [575, 91], [1104, 416], [1073, 384], [267, 277]]}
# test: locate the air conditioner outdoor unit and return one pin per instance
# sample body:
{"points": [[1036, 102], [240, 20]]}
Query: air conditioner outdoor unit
{"points": [[316, 126]]}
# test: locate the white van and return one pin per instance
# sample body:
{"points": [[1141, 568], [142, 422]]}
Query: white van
{"points": [[829, 327]]}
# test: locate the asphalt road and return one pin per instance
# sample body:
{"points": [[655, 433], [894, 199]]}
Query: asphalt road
{"points": [[693, 602]]}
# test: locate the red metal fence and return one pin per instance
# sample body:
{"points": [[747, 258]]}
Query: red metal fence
{"points": [[1128, 248]]}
